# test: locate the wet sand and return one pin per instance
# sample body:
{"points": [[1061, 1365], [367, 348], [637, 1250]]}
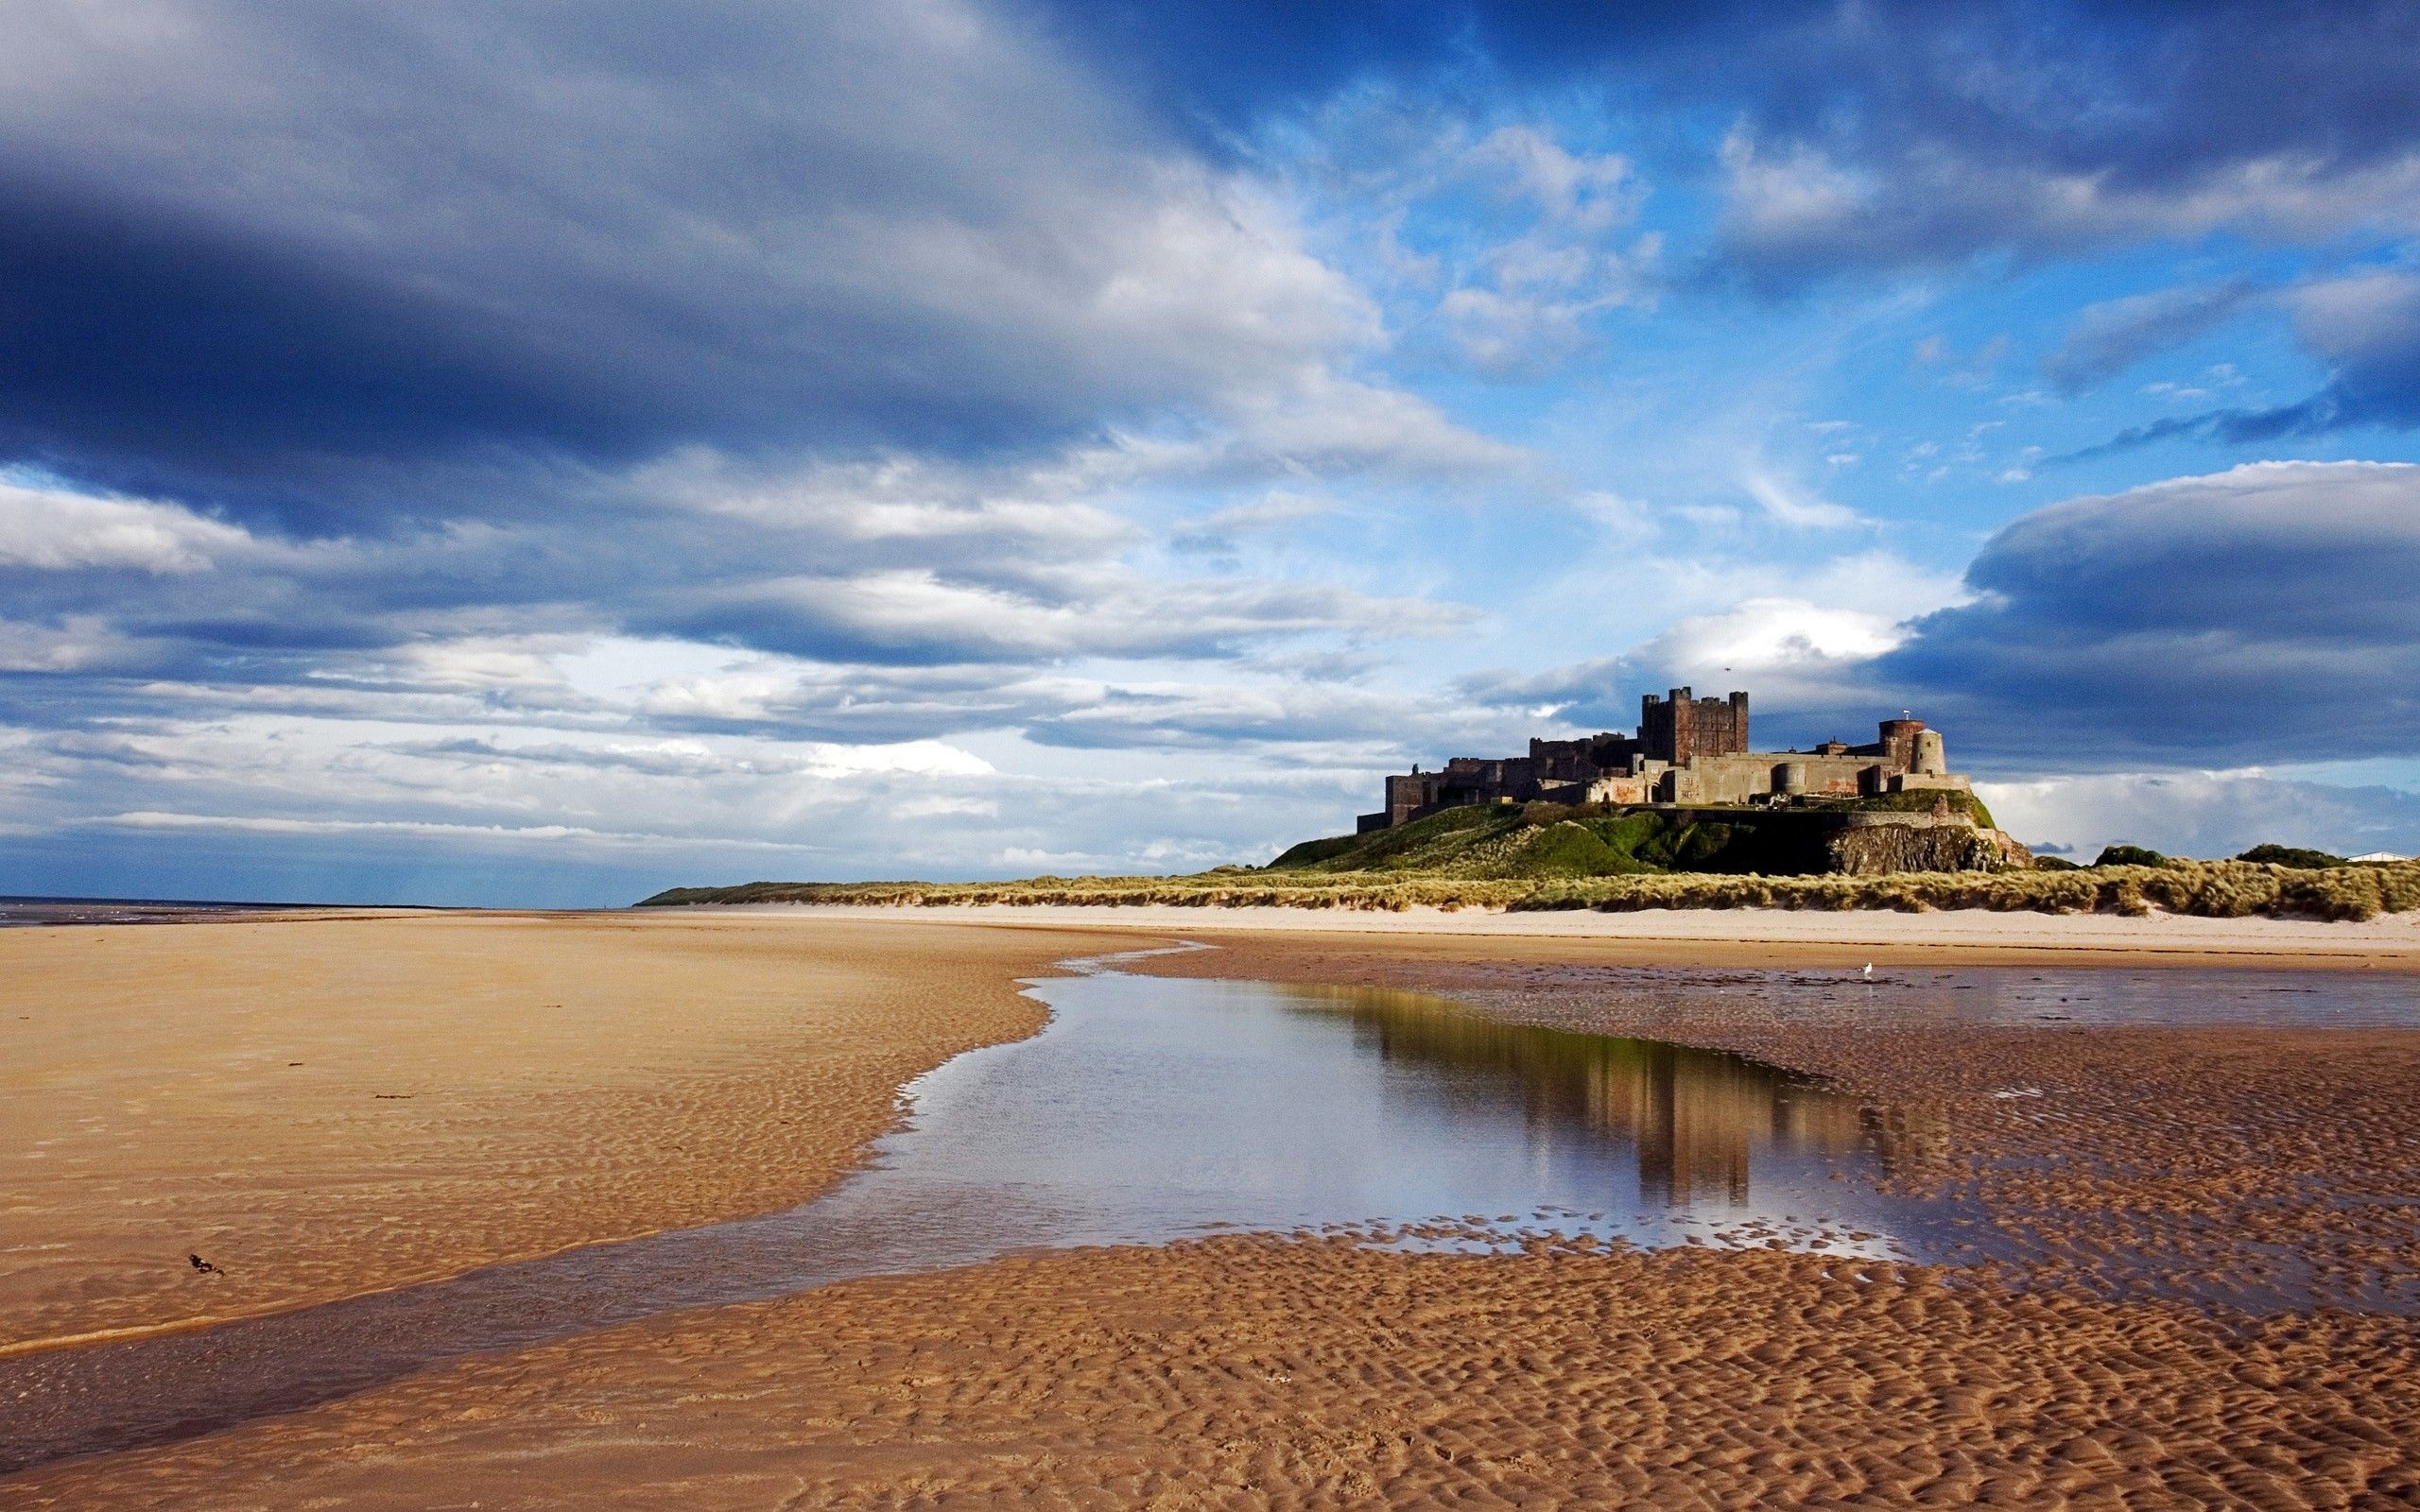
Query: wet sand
{"points": [[1753, 936], [331, 1105], [1257, 1372]]}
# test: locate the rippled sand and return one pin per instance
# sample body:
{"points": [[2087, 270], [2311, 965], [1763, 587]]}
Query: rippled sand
{"points": [[1255, 1373], [327, 1107]]}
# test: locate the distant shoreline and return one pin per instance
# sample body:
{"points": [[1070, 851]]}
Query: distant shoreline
{"points": [[1774, 936]]}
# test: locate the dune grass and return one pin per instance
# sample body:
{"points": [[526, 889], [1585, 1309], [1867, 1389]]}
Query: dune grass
{"points": [[2220, 889]]}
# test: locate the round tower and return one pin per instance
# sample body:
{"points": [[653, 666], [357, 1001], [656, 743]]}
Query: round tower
{"points": [[1930, 759]]}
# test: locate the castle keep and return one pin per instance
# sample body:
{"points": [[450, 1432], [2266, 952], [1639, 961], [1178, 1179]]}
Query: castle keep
{"points": [[1688, 750]]}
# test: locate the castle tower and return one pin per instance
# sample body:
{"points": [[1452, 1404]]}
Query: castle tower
{"points": [[1898, 744], [1683, 726], [1931, 759]]}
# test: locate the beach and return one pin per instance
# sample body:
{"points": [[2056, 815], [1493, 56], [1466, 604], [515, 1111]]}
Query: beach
{"points": [[325, 1106], [2193, 1240]]}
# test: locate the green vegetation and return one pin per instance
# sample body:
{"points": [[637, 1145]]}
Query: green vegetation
{"points": [[1540, 840], [2216, 889], [2292, 855], [2129, 855]]}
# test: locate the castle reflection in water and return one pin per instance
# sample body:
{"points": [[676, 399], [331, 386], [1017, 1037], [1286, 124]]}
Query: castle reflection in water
{"points": [[1697, 1118]]}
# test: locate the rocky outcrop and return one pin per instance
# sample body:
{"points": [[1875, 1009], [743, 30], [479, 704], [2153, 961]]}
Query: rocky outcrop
{"points": [[1921, 843]]}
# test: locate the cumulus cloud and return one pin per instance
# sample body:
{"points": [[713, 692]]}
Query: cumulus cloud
{"points": [[372, 810], [1498, 248], [813, 426], [2199, 624], [1881, 135], [401, 355]]}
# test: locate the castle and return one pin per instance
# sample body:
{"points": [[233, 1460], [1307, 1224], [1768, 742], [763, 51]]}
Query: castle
{"points": [[1688, 750]]}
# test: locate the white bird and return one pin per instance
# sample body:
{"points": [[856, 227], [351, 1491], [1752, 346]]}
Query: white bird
{"points": [[1869, 970]]}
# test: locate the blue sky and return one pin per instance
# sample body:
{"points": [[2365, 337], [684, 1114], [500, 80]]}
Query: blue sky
{"points": [[523, 455]]}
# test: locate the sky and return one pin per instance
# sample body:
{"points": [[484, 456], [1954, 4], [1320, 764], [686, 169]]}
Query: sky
{"points": [[516, 454]]}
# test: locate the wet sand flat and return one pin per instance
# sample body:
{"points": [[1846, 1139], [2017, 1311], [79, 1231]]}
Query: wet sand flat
{"points": [[332, 1105], [2240, 1171], [2247, 1164]]}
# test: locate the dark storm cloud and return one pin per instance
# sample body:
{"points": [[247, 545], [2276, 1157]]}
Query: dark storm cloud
{"points": [[246, 249], [2260, 615]]}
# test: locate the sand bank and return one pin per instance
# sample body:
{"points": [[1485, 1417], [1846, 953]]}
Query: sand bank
{"points": [[1765, 936], [329, 1106]]}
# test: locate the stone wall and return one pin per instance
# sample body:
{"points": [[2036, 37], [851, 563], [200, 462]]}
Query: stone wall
{"points": [[1742, 777]]}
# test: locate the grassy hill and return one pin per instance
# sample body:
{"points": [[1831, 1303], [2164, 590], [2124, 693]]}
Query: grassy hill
{"points": [[1542, 840]]}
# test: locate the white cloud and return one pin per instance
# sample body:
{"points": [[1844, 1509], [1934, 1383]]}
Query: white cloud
{"points": [[2203, 812], [80, 642], [1789, 652], [1783, 194], [1791, 504], [1592, 191], [54, 529]]}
